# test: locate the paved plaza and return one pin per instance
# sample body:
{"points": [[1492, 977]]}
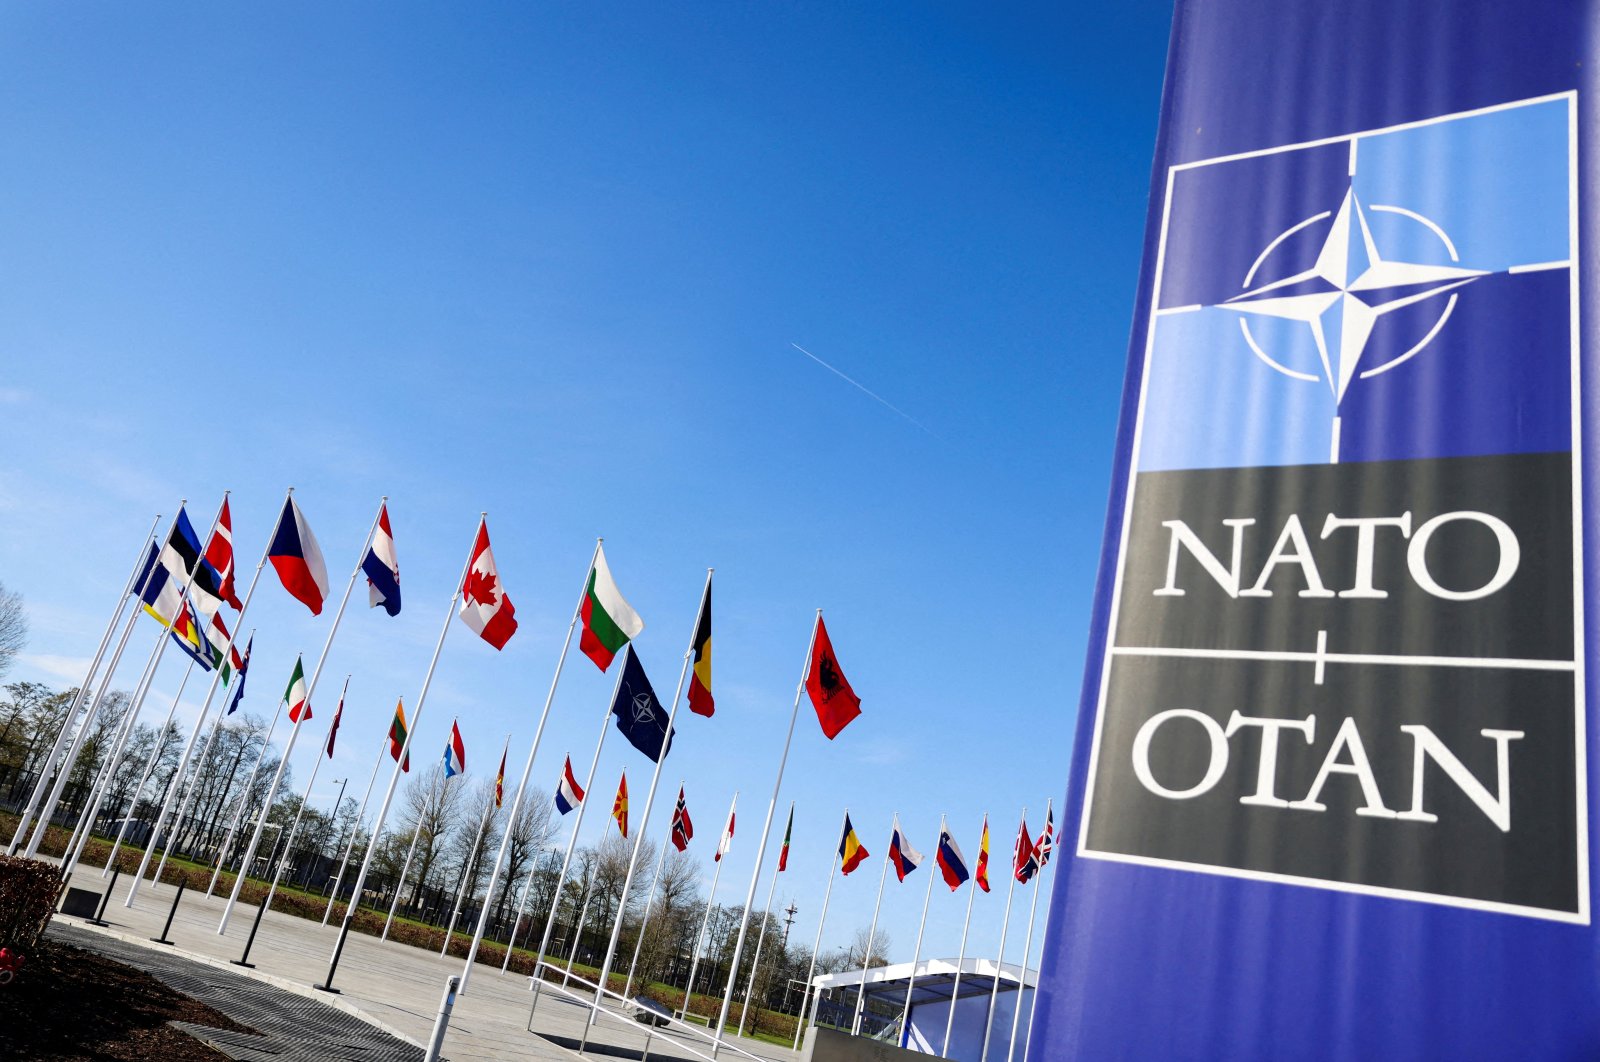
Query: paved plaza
{"points": [[392, 986]]}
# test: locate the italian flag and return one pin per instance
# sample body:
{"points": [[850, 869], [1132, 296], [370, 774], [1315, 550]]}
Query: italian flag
{"points": [[295, 695], [609, 622]]}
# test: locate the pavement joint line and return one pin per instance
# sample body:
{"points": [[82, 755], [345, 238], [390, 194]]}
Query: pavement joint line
{"points": [[336, 1002]]}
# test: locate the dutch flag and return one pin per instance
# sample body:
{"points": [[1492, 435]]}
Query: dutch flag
{"points": [[455, 753], [381, 568], [569, 794]]}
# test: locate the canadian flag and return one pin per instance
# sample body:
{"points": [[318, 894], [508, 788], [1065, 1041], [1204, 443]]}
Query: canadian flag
{"points": [[484, 604]]}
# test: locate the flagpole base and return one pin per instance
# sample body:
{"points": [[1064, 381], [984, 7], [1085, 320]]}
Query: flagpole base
{"points": [[241, 962], [326, 988]]}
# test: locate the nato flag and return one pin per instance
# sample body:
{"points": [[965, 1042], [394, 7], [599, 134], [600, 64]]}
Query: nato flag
{"points": [[640, 714]]}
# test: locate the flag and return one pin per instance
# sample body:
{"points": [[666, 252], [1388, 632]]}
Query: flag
{"points": [[297, 558], [609, 622], [186, 632], [727, 839], [160, 593], [788, 831], [397, 735], [952, 864], [455, 753], [569, 794], [901, 854], [1024, 861], [983, 857], [1047, 839], [640, 716], [219, 556], [244, 668], [682, 827], [181, 552], [851, 851], [484, 604], [295, 695], [836, 703], [381, 568], [619, 806], [700, 700], [218, 642], [333, 731], [500, 778]]}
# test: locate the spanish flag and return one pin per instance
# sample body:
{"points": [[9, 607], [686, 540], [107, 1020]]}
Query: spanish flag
{"points": [[700, 700], [851, 851], [619, 806]]}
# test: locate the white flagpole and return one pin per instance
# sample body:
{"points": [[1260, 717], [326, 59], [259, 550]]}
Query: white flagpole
{"points": [[806, 996], [88, 678], [244, 800], [533, 751], [345, 862], [294, 731], [194, 784], [1033, 1007], [394, 775], [1027, 946], [694, 963], [916, 952], [583, 912], [149, 768], [649, 802], [961, 957], [999, 962], [572, 842], [294, 828], [650, 898], [872, 934], [205, 707], [94, 707], [405, 868], [516, 921], [755, 961], [761, 850], [477, 843]]}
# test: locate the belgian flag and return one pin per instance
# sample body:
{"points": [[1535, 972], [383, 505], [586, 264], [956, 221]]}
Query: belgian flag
{"points": [[700, 700]]}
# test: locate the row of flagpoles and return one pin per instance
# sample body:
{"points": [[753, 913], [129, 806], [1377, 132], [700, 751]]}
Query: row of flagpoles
{"points": [[185, 586]]}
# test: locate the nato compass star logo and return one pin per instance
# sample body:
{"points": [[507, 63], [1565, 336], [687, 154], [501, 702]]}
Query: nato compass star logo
{"points": [[1393, 294], [644, 708]]}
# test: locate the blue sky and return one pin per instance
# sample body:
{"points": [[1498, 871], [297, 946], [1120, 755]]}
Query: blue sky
{"points": [[551, 261]]}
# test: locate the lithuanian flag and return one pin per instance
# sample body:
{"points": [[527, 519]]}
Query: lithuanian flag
{"points": [[397, 735], [851, 851]]}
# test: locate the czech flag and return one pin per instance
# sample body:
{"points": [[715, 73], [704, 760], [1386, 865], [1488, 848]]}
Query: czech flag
{"points": [[297, 558], [381, 568], [851, 851], [901, 854], [455, 753], [951, 862], [569, 794]]}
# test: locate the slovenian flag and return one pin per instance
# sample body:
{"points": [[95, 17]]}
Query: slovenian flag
{"points": [[569, 794], [381, 568], [901, 854], [297, 558], [609, 622], [952, 864], [851, 851], [455, 753]]}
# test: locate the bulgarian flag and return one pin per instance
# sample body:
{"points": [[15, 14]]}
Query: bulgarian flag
{"points": [[295, 695], [609, 622]]}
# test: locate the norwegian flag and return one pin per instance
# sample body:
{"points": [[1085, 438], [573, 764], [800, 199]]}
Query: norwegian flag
{"points": [[484, 604], [682, 826]]}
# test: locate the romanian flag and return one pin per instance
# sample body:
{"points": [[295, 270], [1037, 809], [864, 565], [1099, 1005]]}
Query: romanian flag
{"points": [[609, 622], [397, 735], [901, 854], [788, 831], [983, 857], [700, 700], [619, 806], [952, 864], [851, 851]]}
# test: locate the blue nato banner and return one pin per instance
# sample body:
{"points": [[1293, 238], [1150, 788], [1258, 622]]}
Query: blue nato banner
{"points": [[1330, 791]]}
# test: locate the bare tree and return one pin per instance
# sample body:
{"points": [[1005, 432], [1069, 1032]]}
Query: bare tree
{"points": [[674, 916], [13, 628], [534, 830], [858, 948], [431, 808]]}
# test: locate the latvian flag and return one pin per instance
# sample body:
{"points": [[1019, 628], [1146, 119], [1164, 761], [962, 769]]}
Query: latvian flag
{"points": [[297, 558], [682, 826], [381, 568], [952, 864], [609, 622], [484, 604], [901, 854], [569, 794]]}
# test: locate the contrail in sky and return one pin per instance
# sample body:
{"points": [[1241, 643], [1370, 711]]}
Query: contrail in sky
{"points": [[864, 390]]}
